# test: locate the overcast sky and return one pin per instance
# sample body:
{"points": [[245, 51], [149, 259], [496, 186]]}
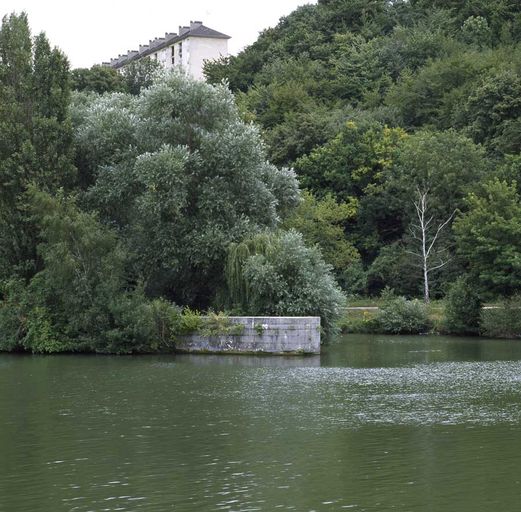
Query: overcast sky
{"points": [[92, 31]]}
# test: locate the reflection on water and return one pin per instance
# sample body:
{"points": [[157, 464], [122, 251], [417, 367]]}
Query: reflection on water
{"points": [[374, 424]]}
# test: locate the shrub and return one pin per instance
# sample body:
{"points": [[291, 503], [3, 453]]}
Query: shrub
{"points": [[398, 315], [139, 325], [462, 308], [503, 321], [191, 321], [219, 324], [26, 324]]}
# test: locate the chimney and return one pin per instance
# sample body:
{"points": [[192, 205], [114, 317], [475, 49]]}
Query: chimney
{"points": [[195, 24], [183, 30]]}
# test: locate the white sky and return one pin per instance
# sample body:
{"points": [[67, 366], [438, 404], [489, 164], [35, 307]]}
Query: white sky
{"points": [[93, 31]]}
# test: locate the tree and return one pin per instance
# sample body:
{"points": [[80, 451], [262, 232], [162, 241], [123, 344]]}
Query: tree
{"points": [[99, 79], [428, 236], [80, 299], [181, 177], [35, 136], [488, 238], [140, 74], [352, 163], [276, 274], [322, 222], [447, 164], [462, 307], [493, 112]]}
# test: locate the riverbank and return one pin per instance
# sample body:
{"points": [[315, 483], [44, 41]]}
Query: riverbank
{"points": [[401, 316]]}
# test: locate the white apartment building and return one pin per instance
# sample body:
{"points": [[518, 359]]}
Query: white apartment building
{"points": [[187, 50]]}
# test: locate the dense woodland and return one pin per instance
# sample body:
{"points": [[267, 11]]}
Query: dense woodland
{"points": [[377, 104], [359, 147]]}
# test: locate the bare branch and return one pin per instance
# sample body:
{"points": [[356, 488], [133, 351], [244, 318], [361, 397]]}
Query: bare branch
{"points": [[441, 265], [438, 231]]}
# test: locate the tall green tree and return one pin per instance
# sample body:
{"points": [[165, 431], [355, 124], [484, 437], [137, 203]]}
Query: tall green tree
{"points": [[322, 222], [35, 136], [488, 237]]}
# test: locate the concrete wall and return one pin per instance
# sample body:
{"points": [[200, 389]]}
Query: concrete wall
{"points": [[262, 334]]}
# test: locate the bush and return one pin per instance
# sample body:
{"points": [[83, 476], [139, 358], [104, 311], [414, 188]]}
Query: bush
{"points": [[462, 309], [398, 315], [503, 321], [139, 325], [190, 322]]}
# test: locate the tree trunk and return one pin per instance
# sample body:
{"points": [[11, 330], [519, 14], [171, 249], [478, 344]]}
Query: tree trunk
{"points": [[426, 297]]}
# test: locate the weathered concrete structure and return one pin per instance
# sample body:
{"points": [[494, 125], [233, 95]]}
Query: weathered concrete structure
{"points": [[261, 334]]}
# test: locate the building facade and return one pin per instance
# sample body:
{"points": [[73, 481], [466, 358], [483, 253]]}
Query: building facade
{"points": [[186, 50]]}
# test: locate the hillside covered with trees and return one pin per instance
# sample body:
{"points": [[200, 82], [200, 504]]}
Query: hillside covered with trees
{"points": [[402, 122], [360, 147]]}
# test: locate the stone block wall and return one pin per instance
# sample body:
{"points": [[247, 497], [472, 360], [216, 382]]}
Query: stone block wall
{"points": [[262, 334]]}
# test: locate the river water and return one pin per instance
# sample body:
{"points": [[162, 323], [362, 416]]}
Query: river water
{"points": [[374, 424]]}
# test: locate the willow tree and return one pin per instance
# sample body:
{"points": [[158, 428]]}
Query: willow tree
{"points": [[276, 274], [180, 176]]}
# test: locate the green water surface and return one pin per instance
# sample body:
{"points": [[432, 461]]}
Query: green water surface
{"points": [[374, 424]]}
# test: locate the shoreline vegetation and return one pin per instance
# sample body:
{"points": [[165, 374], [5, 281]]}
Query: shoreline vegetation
{"points": [[397, 315], [355, 148]]}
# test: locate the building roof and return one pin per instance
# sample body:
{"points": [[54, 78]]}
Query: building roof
{"points": [[196, 29]]}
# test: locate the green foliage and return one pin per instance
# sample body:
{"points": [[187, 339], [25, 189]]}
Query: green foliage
{"points": [[447, 164], [219, 324], [191, 321], [173, 196], [494, 109], [322, 222], [446, 70], [211, 324], [139, 75], [276, 274], [353, 163], [80, 299], [393, 267], [397, 315], [488, 237], [35, 136], [99, 79], [476, 31], [502, 320], [181, 176], [462, 308], [357, 321]]}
